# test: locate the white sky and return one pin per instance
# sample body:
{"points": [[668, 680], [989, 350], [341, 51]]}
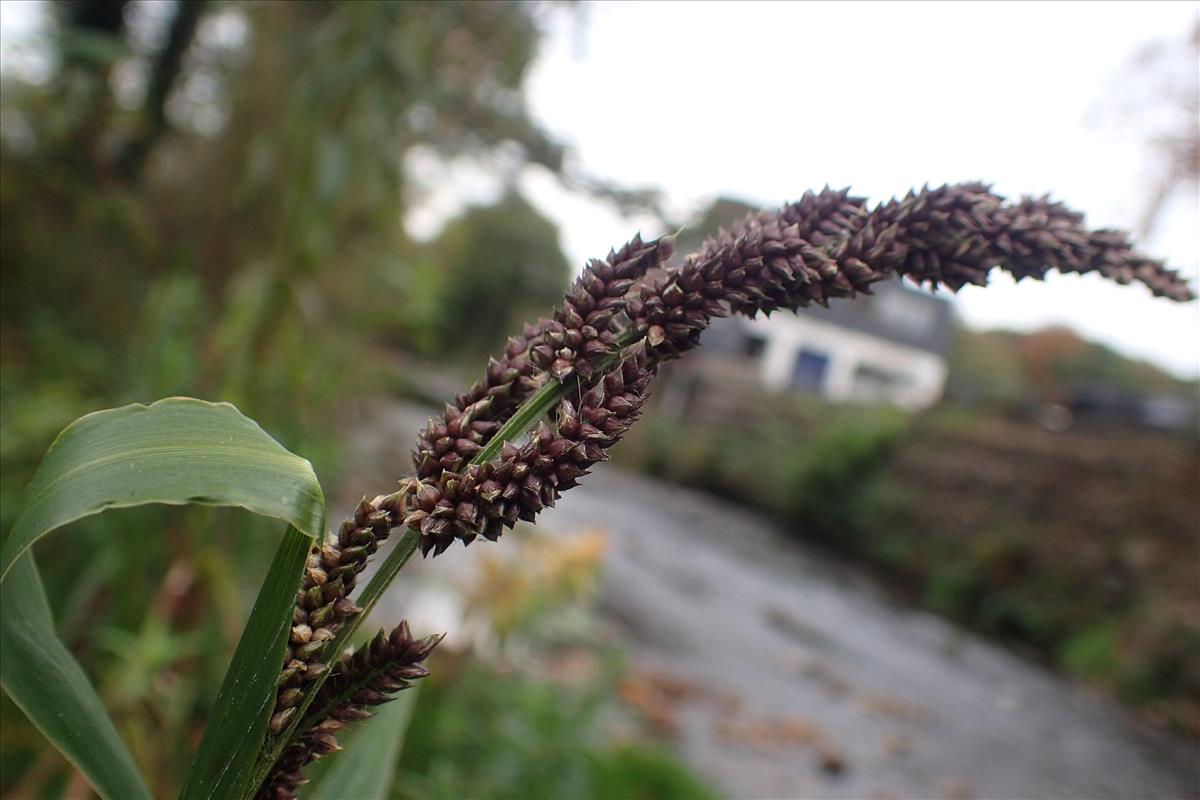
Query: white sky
{"points": [[765, 100]]}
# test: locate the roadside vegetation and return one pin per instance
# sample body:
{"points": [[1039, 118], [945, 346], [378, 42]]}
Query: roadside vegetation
{"points": [[1078, 547]]}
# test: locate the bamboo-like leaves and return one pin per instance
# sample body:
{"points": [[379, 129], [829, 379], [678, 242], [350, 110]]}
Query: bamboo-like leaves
{"points": [[175, 451]]}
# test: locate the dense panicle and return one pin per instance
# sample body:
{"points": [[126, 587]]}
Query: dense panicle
{"points": [[368, 677], [582, 329], [828, 245], [323, 601], [486, 498]]}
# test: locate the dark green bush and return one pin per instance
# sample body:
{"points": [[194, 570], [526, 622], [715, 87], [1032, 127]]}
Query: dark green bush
{"points": [[828, 485]]}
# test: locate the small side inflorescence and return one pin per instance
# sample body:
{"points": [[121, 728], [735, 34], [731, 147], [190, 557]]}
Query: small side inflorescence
{"points": [[368, 677]]}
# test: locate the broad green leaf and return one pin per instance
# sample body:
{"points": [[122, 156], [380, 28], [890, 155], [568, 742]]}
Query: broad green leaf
{"points": [[366, 769], [46, 682], [175, 451], [238, 724]]}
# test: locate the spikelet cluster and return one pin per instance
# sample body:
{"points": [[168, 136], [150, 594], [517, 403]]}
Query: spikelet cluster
{"points": [[764, 265], [583, 328], [323, 601], [955, 235], [369, 677], [452, 440], [828, 245], [486, 498]]}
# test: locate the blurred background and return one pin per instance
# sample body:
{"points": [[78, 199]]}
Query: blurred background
{"points": [[910, 546]]}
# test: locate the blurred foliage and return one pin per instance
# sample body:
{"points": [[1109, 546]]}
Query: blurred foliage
{"points": [[986, 367], [518, 588], [530, 708], [257, 248], [1055, 364], [209, 199], [560, 741], [1080, 545], [496, 267], [246, 259], [829, 483]]}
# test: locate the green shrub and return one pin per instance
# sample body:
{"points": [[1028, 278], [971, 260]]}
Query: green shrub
{"points": [[829, 483], [560, 742]]}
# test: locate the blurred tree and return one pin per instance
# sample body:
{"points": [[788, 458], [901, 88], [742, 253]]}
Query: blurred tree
{"points": [[164, 70], [99, 16], [263, 148], [1052, 364], [497, 265], [1059, 361], [209, 199], [985, 367], [1157, 96]]}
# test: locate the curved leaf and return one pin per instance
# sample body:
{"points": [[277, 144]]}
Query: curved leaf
{"points": [[176, 451], [46, 682]]}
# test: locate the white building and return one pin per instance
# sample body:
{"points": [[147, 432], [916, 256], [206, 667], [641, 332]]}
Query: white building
{"points": [[889, 347]]}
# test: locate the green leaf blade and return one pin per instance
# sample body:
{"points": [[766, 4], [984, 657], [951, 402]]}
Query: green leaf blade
{"points": [[52, 690], [237, 727], [176, 451]]}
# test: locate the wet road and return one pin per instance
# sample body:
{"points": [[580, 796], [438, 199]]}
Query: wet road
{"points": [[793, 676]]}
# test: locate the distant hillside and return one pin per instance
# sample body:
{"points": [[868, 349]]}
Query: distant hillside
{"points": [[1054, 364]]}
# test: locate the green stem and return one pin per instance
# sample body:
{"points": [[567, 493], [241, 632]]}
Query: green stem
{"points": [[524, 418], [543, 400]]}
